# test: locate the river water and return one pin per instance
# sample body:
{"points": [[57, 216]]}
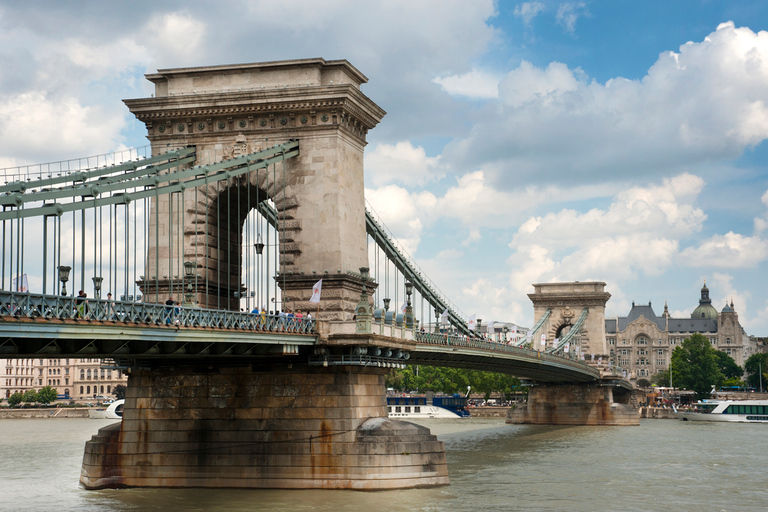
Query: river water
{"points": [[659, 466]]}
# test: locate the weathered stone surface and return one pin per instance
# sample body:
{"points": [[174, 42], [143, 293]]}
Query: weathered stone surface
{"points": [[573, 404], [319, 194], [285, 435]]}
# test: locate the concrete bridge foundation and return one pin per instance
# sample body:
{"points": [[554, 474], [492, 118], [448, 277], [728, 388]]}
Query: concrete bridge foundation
{"points": [[576, 404], [287, 426]]}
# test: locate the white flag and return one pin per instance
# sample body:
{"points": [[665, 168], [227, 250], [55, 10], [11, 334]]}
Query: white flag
{"points": [[543, 341], [315, 298], [490, 327], [528, 336], [444, 316], [472, 323], [555, 342], [600, 361], [593, 357], [403, 307], [20, 284], [567, 348]]}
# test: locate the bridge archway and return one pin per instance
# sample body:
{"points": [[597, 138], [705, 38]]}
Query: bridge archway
{"points": [[228, 111], [565, 302]]}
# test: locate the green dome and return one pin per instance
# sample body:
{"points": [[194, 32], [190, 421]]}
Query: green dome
{"points": [[705, 308], [705, 311]]}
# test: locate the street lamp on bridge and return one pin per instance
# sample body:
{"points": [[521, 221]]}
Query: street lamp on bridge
{"points": [[408, 308], [97, 286], [64, 277], [189, 269]]}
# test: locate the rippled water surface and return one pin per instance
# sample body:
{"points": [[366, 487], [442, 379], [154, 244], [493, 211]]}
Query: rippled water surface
{"points": [[660, 465]]}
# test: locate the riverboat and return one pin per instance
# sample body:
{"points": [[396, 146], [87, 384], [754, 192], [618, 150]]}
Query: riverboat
{"points": [[742, 411], [416, 407], [113, 412]]}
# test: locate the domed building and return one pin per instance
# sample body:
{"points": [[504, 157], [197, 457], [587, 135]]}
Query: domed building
{"points": [[705, 309], [642, 342]]}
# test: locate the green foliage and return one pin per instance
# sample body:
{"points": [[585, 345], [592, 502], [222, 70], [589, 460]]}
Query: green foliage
{"points": [[29, 396], [727, 366], [15, 399], [119, 392], [661, 378], [734, 382], [46, 395], [757, 370], [451, 380], [695, 366]]}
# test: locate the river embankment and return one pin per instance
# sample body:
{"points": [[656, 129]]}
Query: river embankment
{"points": [[59, 412], [488, 412]]}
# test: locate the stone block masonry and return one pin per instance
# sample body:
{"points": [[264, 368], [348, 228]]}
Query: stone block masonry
{"points": [[287, 427]]}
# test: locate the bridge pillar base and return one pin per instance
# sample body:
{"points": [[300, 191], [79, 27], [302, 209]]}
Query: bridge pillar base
{"points": [[575, 404], [289, 428]]}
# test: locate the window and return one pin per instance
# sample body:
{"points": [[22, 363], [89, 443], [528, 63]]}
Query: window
{"points": [[407, 408], [81, 390], [398, 409], [88, 390], [82, 374]]}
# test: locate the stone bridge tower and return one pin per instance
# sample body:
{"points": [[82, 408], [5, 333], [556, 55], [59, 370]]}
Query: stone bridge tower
{"points": [[566, 301], [226, 111]]}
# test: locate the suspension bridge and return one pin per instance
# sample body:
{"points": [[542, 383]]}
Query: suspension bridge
{"points": [[249, 198]]}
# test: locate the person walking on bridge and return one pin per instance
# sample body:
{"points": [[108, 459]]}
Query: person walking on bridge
{"points": [[169, 309], [81, 304]]}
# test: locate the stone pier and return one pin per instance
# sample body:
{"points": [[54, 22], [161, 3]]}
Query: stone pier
{"points": [[576, 404], [287, 427]]}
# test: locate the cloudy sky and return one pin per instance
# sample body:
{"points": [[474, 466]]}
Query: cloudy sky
{"points": [[524, 142]]}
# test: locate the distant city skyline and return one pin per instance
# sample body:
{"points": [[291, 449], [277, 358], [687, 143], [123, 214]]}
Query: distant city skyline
{"points": [[525, 142]]}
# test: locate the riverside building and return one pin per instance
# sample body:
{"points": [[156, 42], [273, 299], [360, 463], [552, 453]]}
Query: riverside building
{"points": [[78, 379], [642, 342]]}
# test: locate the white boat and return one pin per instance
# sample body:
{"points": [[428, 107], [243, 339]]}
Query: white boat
{"points": [[417, 407], [420, 411], [113, 412], [743, 411]]}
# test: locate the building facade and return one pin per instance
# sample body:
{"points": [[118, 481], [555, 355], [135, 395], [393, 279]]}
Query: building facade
{"points": [[642, 342], [78, 379]]}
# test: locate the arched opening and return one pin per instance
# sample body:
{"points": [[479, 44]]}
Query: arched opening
{"points": [[563, 330]]}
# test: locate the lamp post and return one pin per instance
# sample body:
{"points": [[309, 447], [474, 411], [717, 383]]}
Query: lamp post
{"points": [[386, 304], [408, 308], [64, 277], [189, 269], [97, 286], [259, 246]]}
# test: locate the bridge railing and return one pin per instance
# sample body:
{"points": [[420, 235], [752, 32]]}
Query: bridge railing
{"points": [[55, 307], [438, 339]]}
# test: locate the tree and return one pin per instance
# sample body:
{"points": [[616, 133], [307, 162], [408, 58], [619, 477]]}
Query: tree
{"points": [[695, 366], [29, 396], [451, 380], [15, 399], [46, 395], [757, 370], [727, 367], [661, 378], [119, 392]]}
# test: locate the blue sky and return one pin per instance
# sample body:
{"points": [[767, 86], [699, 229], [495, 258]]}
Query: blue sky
{"points": [[524, 141]]}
